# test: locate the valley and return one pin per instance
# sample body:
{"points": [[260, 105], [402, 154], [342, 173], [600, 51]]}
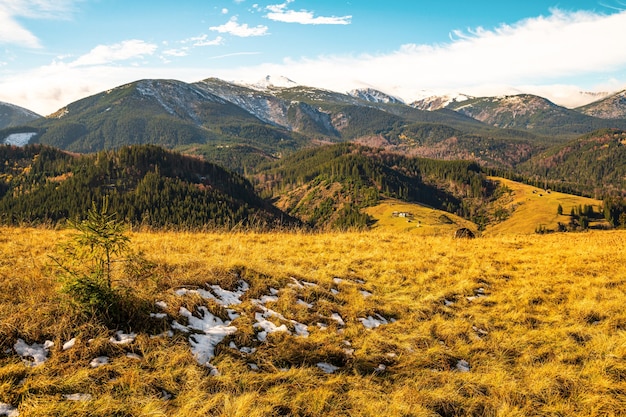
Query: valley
{"points": [[177, 249]]}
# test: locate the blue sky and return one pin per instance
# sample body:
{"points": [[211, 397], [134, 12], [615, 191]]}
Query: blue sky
{"points": [[53, 52]]}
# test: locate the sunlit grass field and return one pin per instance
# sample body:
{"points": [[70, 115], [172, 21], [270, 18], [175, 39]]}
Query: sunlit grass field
{"points": [[503, 325], [532, 207]]}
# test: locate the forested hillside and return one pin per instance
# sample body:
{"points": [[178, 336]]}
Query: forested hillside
{"points": [[145, 185], [594, 164], [327, 186]]}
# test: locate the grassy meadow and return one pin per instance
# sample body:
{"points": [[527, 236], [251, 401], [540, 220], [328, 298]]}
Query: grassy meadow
{"points": [[503, 325], [532, 207]]}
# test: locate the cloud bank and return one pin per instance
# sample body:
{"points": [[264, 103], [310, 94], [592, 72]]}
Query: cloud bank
{"points": [[534, 52]]}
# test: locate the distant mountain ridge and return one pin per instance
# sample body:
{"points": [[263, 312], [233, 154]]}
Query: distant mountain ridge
{"points": [[12, 115], [612, 107], [242, 125]]}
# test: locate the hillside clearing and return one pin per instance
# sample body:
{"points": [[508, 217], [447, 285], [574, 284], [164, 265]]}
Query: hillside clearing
{"points": [[397, 216], [532, 207]]}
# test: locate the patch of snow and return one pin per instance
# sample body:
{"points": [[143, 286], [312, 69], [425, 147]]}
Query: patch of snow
{"points": [[337, 280], [158, 315], [253, 366], [99, 361], [327, 367], [295, 283], [334, 291], [338, 319], [381, 368], [78, 397], [301, 330], [181, 328], [267, 327], [19, 139], [35, 354], [232, 314], [268, 299], [304, 303], [213, 329], [462, 366], [69, 344], [365, 293], [161, 304], [373, 322], [322, 326], [134, 356], [273, 291], [228, 298], [270, 81], [121, 338], [447, 303], [7, 410]]}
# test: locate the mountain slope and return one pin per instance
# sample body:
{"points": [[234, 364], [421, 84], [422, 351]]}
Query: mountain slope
{"points": [[12, 115], [613, 107], [327, 186], [532, 113], [146, 185], [163, 112], [594, 163]]}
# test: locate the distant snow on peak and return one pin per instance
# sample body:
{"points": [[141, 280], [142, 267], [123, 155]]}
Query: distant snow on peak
{"points": [[437, 102], [276, 81], [374, 96]]}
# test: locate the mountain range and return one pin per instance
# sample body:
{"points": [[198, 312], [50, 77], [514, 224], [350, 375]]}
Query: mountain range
{"points": [[244, 126]]}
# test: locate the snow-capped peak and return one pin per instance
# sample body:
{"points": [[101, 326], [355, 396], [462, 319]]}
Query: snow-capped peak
{"points": [[374, 96], [270, 81], [436, 102]]}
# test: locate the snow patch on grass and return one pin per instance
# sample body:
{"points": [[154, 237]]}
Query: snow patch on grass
{"points": [[327, 367], [35, 354], [8, 411], [99, 361], [69, 344], [121, 338]]}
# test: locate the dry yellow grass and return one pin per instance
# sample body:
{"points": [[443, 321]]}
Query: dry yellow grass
{"points": [[423, 221], [538, 320], [532, 207]]}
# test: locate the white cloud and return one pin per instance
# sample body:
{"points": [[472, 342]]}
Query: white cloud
{"points": [[204, 40], [224, 10], [280, 13], [12, 32], [176, 52], [104, 54], [537, 51], [242, 30]]}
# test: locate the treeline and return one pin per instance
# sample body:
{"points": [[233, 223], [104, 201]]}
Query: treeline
{"points": [[145, 185]]}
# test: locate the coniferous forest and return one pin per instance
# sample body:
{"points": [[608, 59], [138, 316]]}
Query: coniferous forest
{"points": [[145, 185]]}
